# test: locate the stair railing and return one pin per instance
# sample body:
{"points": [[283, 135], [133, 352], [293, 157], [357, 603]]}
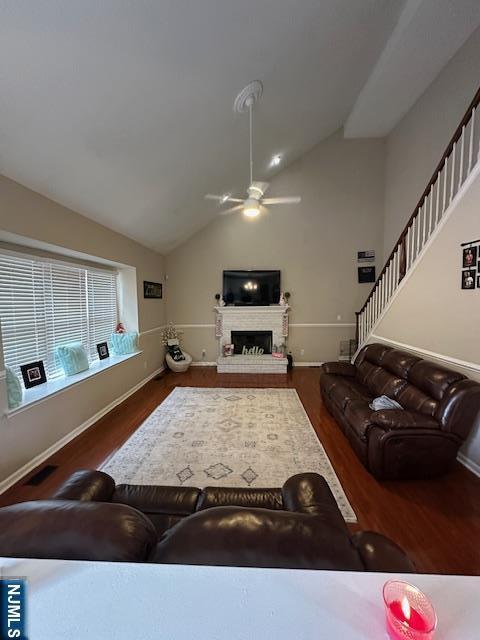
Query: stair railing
{"points": [[460, 157]]}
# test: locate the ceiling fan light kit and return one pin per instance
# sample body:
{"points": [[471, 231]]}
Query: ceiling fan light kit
{"points": [[252, 205]]}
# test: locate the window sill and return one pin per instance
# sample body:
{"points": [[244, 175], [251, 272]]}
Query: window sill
{"points": [[52, 387]]}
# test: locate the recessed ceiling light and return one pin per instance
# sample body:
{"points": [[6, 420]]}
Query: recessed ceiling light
{"points": [[276, 160]]}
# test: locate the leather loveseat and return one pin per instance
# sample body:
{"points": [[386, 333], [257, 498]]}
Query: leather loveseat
{"points": [[439, 408], [297, 526]]}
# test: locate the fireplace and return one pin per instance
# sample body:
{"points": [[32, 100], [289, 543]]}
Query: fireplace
{"points": [[252, 342]]}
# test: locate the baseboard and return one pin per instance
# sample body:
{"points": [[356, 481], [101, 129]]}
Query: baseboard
{"points": [[469, 464], [307, 364], [201, 363], [41, 457]]}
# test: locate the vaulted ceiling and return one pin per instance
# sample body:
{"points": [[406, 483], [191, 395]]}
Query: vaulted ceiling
{"points": [[122, 109]]}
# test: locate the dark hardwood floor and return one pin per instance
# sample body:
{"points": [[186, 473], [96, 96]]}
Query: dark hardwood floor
{"points": [[436, 521]]}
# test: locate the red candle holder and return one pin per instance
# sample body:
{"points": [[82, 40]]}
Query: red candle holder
{"points": [[410, 614]]}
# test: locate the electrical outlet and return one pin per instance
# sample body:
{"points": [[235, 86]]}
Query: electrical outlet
{"points": [[204, 353], [339, 317], [302, 352]]}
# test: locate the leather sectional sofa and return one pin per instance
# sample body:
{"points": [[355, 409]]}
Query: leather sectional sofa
{"points": [[297, 526], [439, 408]]}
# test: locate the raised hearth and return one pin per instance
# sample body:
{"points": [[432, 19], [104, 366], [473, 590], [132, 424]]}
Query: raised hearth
{"points": [[248, 321]]}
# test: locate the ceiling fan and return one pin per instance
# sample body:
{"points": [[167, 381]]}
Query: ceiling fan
{"points": [[254, 203]]}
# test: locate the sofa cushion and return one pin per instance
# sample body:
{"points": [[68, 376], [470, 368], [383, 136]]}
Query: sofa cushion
{"points": [[432, 379], [373, 353], [383, 383], [414, 399], [179, 501], [240, 497], [399, 362], [349, 390], [242, 537], [359, 417], [365, 371], [398, 419]]}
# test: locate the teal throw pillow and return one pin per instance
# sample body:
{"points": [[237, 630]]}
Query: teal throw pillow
{"points": [[123, 343], [72, 357], [14, 389]]}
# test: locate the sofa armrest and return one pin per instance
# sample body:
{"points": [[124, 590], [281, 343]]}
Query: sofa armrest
{"points": [[379, 553], [309, 493], [178, 501], [73, 530], [399, 419], [86, 485], [339, 368]]}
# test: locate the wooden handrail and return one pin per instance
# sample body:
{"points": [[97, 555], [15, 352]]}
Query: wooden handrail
{"points": [[458, 132]]}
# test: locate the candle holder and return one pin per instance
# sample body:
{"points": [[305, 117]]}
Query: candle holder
{"points": [[409, 613]]}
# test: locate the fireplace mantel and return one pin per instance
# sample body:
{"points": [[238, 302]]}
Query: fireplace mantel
{"points": [[273, 318]]}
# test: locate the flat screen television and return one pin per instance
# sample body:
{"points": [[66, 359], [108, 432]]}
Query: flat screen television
{"points": [[256, 288]]}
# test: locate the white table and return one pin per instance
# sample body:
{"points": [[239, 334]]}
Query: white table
{"points": [[79, 600]]}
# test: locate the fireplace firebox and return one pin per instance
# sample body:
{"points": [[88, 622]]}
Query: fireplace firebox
{"points": [[252, 342]]}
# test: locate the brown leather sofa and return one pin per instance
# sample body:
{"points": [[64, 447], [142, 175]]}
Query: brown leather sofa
{"points": [[440, 407], [297, 526]]}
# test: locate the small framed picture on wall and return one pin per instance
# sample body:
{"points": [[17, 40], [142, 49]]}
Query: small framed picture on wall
{"points": [[469, 257], [366, 274], [469, 277], [152, 289]]}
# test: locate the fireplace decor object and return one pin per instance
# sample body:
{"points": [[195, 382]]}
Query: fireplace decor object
{"points": [[252, 342]]}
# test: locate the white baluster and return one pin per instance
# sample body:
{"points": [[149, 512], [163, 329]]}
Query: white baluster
{"points": [[424, 221], [430, 212], [472, 136], [462, 153], [452, 184], [445, 178], [437, 204], [419, 229]]}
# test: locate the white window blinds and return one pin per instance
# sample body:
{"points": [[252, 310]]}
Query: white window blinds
{"points": [[44, 304]]}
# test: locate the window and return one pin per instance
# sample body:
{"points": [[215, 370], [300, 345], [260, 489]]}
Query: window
{"points": [[47, 303]]}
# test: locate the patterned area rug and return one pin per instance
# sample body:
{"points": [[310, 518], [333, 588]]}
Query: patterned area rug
{"points": [[225, 437]]}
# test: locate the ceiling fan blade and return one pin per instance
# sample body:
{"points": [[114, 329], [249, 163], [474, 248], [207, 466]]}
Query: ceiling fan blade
{"points": [[222, 199], [286, 200], [258, 188], [238, 207]]}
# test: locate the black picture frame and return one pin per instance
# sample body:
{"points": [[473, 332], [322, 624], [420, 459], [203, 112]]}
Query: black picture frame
{"points": [[102, 350], [366, 274], [366, 256], [469, 257], [152, 290], [33, 374], [469, 278]]}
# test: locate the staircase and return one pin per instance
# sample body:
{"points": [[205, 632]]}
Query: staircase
{"points": [[458, 163]]}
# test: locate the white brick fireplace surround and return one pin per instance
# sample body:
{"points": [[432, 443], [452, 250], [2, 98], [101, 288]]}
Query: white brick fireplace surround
{"points": [[273, 318]]}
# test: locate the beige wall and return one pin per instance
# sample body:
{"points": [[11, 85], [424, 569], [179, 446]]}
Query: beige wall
{"points": [[431, 312], [314, 244], [24, 213], [416, 145]]}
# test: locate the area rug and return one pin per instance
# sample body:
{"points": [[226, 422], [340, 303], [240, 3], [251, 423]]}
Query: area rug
{"points": [[225, 437]]}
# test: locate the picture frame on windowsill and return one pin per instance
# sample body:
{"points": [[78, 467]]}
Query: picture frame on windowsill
{"points": [[102, 350], [33, 374]]}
